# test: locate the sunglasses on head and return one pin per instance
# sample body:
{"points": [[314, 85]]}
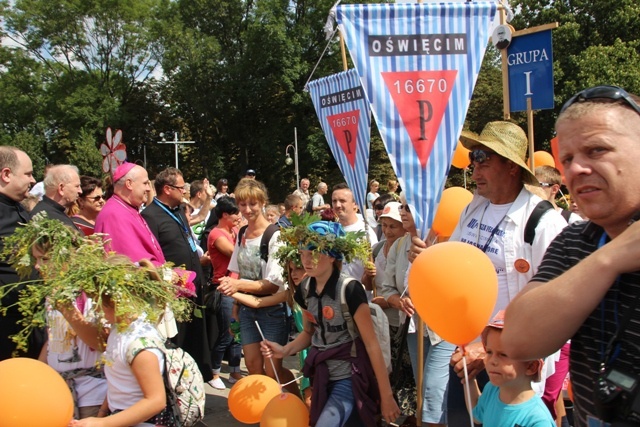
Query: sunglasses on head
{"points": [[602, 92], [480, 156]]}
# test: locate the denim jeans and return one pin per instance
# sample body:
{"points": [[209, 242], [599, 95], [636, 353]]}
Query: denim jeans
{"points": [[225, 339], [435, 379], [340, 406]]}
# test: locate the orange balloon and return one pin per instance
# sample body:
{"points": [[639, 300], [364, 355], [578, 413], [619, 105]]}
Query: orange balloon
{"points": [[249, 396], [33, 394], [542, 158], [460, 157], [454, 286], [285, 410], [452, 202]]}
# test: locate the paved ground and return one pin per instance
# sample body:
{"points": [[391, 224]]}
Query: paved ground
{"points": [[216, 411]]}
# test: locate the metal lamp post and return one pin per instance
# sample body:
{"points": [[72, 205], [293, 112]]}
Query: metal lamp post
{"points": [[288, 161], [175, 142]]}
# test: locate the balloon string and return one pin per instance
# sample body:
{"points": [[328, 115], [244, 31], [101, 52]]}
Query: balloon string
{"points": [[293, 381], [467, 391], [273, 365]]}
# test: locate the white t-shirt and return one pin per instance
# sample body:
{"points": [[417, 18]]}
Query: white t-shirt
{"points": [[66, 352], [356, 269], [488, 234], [123, 387], [246, 260]]}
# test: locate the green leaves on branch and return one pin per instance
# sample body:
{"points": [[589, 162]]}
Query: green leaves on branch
{"points": [[72, 264]]}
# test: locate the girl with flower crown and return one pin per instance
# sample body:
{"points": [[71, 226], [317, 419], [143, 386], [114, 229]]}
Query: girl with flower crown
{"points": [[347, 385]]}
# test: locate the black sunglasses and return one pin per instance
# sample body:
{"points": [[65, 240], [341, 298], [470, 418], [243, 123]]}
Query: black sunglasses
{"points": [[95, 198], [480, 156], [406, 208], [603, 92], [378, 207]]}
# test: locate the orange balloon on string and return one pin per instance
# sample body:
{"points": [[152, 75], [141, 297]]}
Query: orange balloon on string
{"points": [[249, 396], [285, 410], [33, 394], [460, 157], [452, 202], [454, 287]]}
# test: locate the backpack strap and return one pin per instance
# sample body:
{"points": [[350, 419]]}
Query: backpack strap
{"points": [[343, 281], [266, 238], [377, 248], [566, 215], [143, 343], [534, 219], [241, 232]]}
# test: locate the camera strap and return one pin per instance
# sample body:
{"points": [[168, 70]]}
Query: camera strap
{"points": [[610, 354]]}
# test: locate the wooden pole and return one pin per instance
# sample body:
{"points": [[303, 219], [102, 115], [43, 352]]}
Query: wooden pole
{"points": [[532, 165], [420, 361], [343, 51], [506, 113]]}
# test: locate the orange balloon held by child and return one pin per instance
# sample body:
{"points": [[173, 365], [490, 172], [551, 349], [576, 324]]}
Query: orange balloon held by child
{"points": [[285, 410], [249, 397], [454, 287], [33, 394]]}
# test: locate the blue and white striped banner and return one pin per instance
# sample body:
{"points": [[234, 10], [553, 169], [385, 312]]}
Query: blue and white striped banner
{"points": [[418, 64], [344, 114]]}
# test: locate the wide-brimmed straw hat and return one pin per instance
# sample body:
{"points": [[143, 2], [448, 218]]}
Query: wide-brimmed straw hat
{"points": [[507, 140]]}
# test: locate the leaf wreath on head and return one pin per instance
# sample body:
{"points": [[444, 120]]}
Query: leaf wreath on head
{"points": [[308, 232], [74, 264]]}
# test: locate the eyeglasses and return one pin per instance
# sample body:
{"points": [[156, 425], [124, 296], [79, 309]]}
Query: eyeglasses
{"points": [[406, 208], [176, 187], [603, 92], [480, 156], [95, 198]]}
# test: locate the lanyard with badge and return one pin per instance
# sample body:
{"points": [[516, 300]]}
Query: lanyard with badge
{"points": [[183, 226]]}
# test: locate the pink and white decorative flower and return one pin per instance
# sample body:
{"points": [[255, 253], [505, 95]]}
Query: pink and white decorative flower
{"points": [[113, 151]]}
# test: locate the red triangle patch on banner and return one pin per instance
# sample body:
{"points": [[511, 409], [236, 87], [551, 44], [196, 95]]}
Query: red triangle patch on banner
{"points": [[421, 98], [345, 130]]}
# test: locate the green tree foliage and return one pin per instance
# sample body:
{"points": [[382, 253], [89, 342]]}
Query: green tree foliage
{"points": [[91, 56]]}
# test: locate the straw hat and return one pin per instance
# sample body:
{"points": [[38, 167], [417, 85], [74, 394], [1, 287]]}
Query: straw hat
{"points": [[506, 139]]}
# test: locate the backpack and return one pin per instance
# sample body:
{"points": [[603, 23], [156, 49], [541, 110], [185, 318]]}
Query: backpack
{"points": [[309, 206], [380, 321], [183, 382], [264, 241]]}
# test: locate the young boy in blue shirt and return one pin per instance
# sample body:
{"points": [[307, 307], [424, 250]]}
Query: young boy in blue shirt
{"points": [[508, 399]]}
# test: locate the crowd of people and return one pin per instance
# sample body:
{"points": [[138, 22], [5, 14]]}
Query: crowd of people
{"points": [[268, 279]]}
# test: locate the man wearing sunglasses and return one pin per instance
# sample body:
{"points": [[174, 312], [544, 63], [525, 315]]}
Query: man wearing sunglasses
{"points": [[170, 227], [588, 284], [61, 190], [495, 222]]}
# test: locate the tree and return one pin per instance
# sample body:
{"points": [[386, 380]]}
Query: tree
{"points": [[93, 54]]}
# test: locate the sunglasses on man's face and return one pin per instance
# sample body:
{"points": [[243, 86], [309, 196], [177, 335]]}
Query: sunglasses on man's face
{"points": [[614, 93], [480, 156]]}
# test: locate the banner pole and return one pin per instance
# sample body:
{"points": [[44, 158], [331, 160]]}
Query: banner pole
{"points": [[505, 72], [530, 134], [343, 52], [420, 362]]}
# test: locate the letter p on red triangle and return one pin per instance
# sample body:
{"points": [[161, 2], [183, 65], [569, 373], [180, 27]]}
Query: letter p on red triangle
{"points": [[345, 129], [421, 98]]}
